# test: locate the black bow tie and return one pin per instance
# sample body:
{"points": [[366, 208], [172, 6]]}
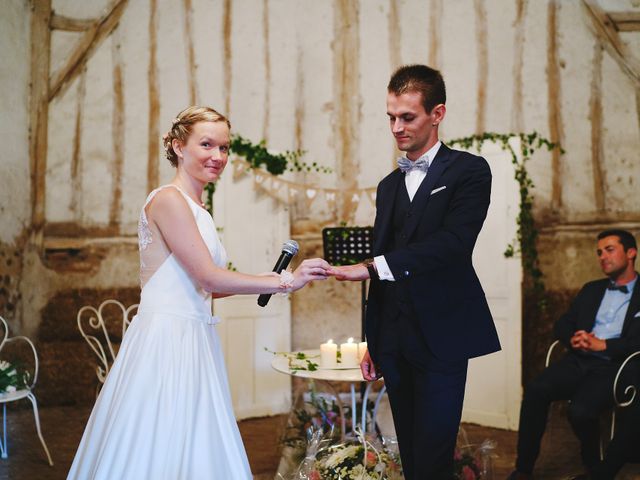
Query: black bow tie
{"points": [[622, 288]]}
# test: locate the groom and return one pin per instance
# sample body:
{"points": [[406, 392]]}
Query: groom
{"points": [[426, 311]]}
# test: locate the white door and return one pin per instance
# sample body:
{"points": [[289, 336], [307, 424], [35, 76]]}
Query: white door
{"points": [[494, 381], [253, 227]]}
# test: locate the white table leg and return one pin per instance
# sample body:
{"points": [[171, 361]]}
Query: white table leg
{"points": [[374, 414], [354, 416]]}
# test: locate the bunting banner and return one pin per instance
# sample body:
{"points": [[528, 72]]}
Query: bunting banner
{"points": [[289, 192]]}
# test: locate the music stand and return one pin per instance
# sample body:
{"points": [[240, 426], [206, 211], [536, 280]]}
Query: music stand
{"points": [[348, 246]]}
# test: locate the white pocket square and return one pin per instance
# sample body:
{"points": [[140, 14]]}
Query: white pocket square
{"points": [[436, 190], [637, 315]]}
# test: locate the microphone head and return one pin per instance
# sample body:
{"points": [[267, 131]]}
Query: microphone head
{"points": [[291, 247]]}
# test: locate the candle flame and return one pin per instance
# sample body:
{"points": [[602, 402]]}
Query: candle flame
{"points": [[330, 340], [350, 340]]}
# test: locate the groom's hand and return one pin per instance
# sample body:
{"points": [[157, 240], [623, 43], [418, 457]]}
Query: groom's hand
{"points": [[368, 368], [349, 272]]}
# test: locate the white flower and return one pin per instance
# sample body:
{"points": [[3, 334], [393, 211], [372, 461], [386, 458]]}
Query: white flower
{"points": [[10, 389], [357, 472], [4, 364], [338, 457]]}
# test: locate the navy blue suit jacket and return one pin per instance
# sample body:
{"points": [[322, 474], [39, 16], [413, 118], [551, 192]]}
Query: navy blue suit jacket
{"points": [[582, 316], [435, 266]]}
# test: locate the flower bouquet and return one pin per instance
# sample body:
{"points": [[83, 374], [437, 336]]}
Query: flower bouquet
{"points": [[356, 461], [471, 462], [12, 377]]}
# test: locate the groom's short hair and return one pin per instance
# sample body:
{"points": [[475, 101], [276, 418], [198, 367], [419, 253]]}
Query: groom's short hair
{"points": [[422, 79]]}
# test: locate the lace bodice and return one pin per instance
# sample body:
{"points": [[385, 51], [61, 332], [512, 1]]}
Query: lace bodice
{"points": [[153, 249]]}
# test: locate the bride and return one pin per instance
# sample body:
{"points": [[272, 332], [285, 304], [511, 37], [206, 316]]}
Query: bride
{"points": [[164, 412]]}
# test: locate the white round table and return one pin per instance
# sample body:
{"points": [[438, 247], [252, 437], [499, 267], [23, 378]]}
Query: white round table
{"points": [[287, 363]]}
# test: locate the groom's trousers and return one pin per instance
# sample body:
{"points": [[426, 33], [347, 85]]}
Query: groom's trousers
{"points": [[426, 396]]}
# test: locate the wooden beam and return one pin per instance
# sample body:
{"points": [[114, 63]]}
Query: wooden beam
{"points": [[191, 56], [267, 70], [595, 116], [68, 24], [39, 110], [556, 131], [153, 150], [605, 30], [85, 47], [482, 65], [626, 21]]}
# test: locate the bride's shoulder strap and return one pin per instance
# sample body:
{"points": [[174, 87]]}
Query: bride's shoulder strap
{"points": [[159, 189], [153, 193]]}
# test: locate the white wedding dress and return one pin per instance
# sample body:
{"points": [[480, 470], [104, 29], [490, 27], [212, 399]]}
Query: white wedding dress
{"points": [[164, 412]]}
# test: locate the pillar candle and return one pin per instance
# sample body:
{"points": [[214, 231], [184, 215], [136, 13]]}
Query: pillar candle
{"points": [[349, 353], [362, 347], [328, 354]]}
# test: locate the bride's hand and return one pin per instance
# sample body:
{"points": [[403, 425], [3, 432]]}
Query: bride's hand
{"points": [[309, 270]]}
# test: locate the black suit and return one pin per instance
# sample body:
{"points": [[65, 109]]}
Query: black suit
{"points": [[585, 379], [422, 328]]}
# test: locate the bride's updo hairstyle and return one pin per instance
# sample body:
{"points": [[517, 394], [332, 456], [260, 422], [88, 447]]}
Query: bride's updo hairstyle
{"points": [[182, 126]]}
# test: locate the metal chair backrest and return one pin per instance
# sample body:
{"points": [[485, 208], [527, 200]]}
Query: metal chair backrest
{"points": [[94, 327]]}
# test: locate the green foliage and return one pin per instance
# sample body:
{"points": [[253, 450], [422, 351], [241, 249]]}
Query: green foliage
{"points": [[527, 233], [257, 155], [294, 359]]}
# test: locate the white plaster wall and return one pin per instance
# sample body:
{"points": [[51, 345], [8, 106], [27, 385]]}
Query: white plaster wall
{"points": [[620, 117], [14, 119], [576, 44], [296, 106]]}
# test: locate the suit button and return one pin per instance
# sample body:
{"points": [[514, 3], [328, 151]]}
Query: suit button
{"points": [[403, 236], [406, 273], [408, 214]]}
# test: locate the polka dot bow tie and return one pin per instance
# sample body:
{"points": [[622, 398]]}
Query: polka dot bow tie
{"points": [[407, 165]]}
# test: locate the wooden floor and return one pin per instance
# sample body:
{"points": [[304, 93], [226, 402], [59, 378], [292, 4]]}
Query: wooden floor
{"points": [[63, 426]]}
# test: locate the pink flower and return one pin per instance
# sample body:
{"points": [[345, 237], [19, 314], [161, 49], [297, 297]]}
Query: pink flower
{"points": [[457, 455], [468, 473], [315, 475]]}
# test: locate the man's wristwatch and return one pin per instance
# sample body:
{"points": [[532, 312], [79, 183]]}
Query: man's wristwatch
{"points": [[369, 263]]}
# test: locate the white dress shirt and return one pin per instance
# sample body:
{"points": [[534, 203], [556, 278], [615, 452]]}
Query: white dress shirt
{"points": [[412, 180]]}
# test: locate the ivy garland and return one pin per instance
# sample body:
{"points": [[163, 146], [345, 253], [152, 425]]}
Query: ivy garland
{"points": [[257, 155], [527, 233]]}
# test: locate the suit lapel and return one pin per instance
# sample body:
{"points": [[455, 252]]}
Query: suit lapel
{"points": [[421, 198], [634, 307], [382, 228]]}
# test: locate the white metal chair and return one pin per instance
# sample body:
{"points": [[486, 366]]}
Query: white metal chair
{"points": [[629, 390], [23, 392], [92, 324]]}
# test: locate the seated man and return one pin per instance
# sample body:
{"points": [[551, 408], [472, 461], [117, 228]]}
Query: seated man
{"points": [[600, 329]]}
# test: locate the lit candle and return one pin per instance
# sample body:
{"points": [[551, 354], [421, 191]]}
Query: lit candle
{"points": [[362, 348], [349, 353], [329, 354]]}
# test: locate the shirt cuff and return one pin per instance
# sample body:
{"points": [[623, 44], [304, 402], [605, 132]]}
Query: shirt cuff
{"points": [[384, 272]]}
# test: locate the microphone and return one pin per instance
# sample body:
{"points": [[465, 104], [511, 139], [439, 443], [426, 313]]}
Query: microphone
{"points": [[289, 249]]}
